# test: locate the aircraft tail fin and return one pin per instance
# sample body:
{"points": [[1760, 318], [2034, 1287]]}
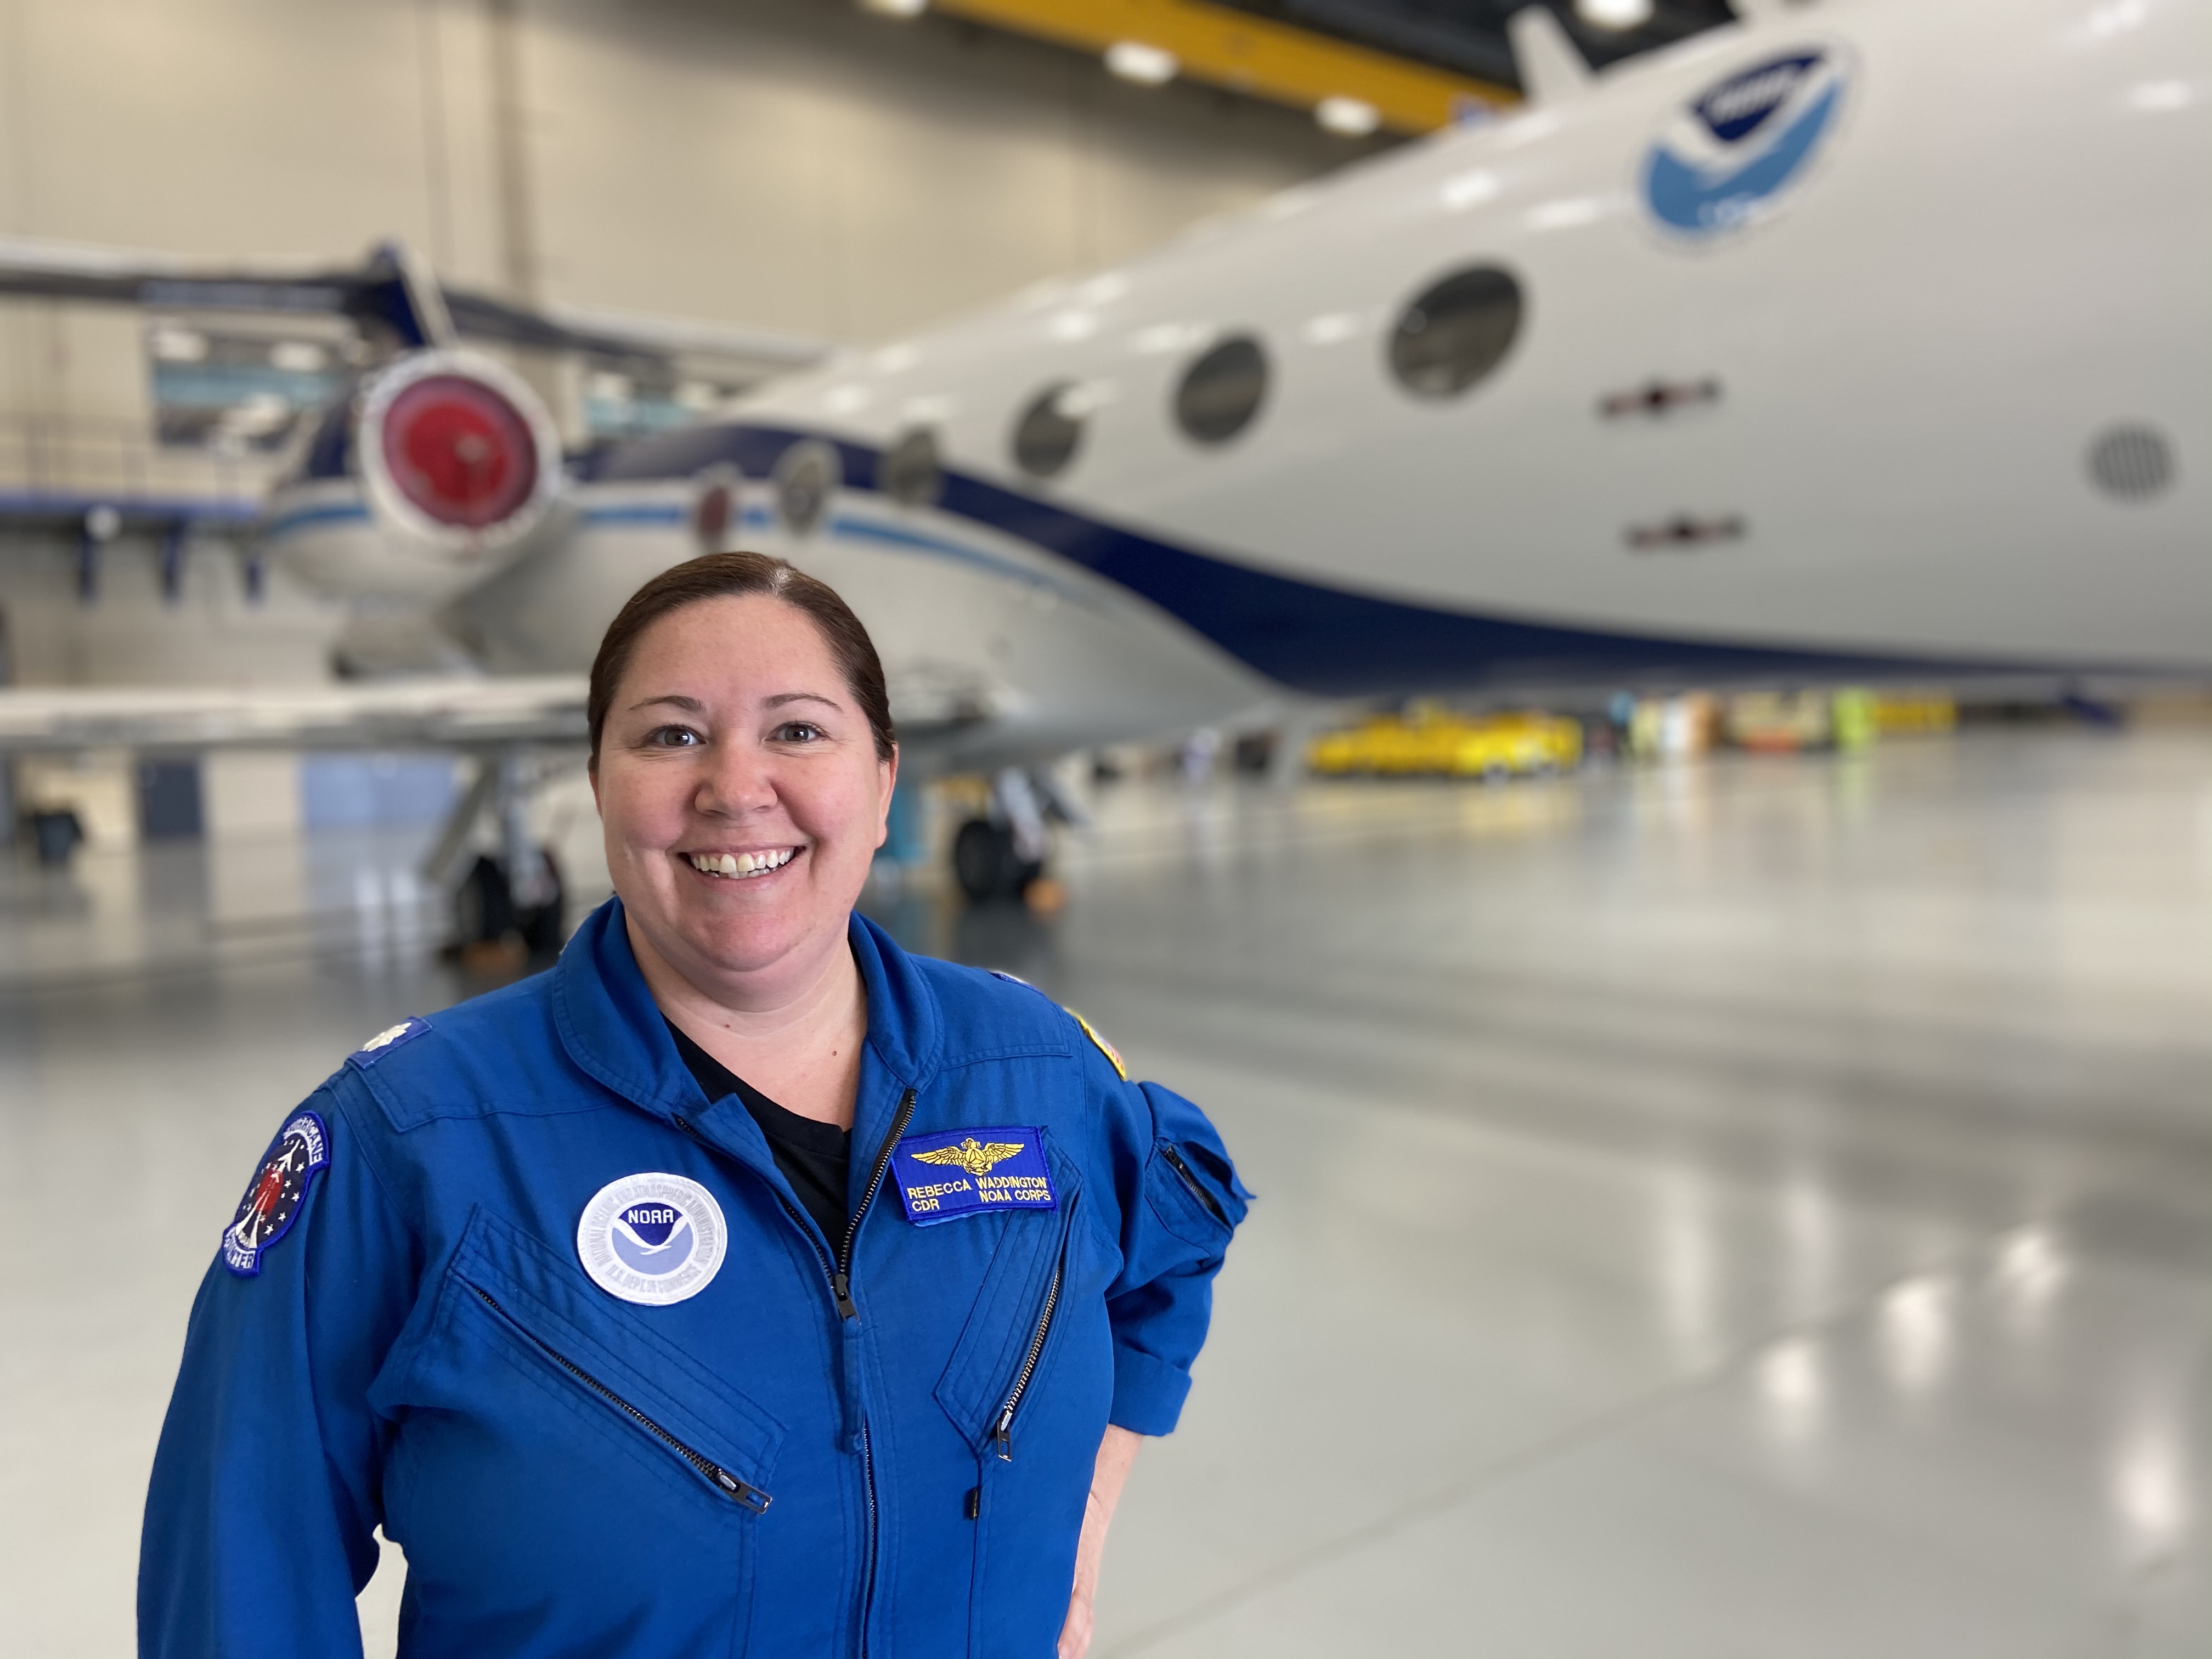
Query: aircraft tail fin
{"points": [[1551, 70]]}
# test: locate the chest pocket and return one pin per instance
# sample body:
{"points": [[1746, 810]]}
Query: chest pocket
{"points": [[1003, 1346], [559, 1459]]}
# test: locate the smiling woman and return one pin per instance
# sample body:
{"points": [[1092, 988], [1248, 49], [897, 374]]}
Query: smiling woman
{"points": [[742, 758], [599, 1245]]}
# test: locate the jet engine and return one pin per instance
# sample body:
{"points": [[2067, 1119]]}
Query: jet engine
{"points": [[454, 459]]}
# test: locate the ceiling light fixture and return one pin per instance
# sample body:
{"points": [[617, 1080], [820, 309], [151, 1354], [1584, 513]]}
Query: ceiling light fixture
{"points": [[1353, 118], [1149, 66], [896, 7], [1614, 14]]}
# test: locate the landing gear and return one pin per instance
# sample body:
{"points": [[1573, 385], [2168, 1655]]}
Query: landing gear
{"points": [[510, 905], [1001, 855], [987, 863], [487, 919]]}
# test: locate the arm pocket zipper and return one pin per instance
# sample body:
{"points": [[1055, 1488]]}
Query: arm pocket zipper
{"points": [[1197, 1186]]}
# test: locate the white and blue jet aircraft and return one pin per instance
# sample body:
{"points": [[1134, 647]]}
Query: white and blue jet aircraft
{"points": [[1859, 340]]}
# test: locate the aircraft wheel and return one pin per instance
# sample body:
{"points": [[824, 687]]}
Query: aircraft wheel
{"points": [[483, 906], [543, 926], [487, 919], [987, 864]]}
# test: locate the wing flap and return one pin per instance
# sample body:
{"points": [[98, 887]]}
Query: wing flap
{"points": [[441, 713]]}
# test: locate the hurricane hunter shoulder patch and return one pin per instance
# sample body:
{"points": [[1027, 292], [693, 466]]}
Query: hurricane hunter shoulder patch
{"points": [[272, 1202], [958, 1172]]}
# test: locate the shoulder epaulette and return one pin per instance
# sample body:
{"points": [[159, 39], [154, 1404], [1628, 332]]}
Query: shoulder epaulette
{"points": [[385, 1040], [1120, 1068]]}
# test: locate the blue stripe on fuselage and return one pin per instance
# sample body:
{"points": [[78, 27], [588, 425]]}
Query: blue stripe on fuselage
{"points": [[304, 518], [1316, 639], [853, 529]]}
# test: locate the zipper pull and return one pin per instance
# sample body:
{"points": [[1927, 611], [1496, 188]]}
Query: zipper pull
{"points": [[1002, 1437], [752, 1497], [840, 1286]]}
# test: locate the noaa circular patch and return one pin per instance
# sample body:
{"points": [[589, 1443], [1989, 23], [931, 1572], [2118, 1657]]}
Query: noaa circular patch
{"points": [[279, 1187], [652, 1238], [1728, 155]]}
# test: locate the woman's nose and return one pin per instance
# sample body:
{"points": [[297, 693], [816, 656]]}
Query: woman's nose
{"points": [[736, 780]]}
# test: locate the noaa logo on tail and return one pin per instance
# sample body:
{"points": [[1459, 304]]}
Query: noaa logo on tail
{"points": [[1729, 157], [652, 1238]]}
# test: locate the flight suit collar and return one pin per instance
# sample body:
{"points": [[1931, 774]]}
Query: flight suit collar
{"points": [[613, 1030]]}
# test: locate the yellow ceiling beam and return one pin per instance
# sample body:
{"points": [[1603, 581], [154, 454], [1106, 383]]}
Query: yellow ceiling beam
{"points": [[1246, 54]]}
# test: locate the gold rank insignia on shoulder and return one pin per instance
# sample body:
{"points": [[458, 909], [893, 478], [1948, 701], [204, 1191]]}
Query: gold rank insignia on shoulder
{"points": [[1104, 1047]]}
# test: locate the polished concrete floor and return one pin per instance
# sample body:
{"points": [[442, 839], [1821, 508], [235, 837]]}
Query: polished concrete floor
{"points": [[1755, 1210]]}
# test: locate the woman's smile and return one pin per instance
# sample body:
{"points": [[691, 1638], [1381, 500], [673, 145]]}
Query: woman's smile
{"points": [[748, 866]]}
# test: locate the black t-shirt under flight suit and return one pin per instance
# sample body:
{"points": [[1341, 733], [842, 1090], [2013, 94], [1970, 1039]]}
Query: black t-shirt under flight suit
{"points": [[813, 1155]]}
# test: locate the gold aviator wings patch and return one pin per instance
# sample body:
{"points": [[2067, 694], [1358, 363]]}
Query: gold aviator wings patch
{"points": [[971, 1155]]}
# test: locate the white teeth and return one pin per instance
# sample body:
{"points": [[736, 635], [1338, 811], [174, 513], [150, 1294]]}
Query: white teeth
{"points": [[740, 863]]}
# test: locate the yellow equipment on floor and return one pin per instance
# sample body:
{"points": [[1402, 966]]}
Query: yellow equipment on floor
{"points": [[1428, 741]]}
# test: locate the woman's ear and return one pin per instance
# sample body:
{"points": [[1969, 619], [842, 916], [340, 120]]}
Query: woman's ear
{"points": [[887, 781], [591, 771]]}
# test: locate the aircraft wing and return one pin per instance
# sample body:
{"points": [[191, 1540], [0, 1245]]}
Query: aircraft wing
{"points": [[430, 714], [389, 289]]}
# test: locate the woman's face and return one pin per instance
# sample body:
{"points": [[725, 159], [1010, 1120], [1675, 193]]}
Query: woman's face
{"points": [[739, 788]]}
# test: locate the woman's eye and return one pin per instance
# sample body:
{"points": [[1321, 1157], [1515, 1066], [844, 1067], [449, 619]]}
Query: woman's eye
{"points": [[798, 731], [671, 737]]}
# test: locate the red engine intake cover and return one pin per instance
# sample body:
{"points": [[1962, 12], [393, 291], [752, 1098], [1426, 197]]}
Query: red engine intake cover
{"points": [[459, 453]]}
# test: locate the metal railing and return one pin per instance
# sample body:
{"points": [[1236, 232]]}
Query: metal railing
{"points": [[43, 455]]}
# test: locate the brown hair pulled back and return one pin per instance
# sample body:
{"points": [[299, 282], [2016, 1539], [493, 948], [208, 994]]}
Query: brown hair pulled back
{"points": [[734, 575]]}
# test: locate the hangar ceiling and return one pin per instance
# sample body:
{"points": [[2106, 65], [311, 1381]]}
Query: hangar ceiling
{"points": [[1402, 66], [1468, 36]]}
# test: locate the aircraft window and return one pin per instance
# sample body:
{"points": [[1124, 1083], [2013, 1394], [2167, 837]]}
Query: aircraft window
{"points": [[1046, 437], [1456, 332], [717, 506], [909, 472], [2133, 463], [1222, 391], [806, 477]]}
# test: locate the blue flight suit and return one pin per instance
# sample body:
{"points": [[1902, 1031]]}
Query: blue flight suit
{"points": [[880, 1445]]}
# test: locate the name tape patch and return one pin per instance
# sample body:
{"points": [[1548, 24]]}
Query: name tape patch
{"points": [[956, 1172], [652, 1238], [273, 1201], [384, 1041]]}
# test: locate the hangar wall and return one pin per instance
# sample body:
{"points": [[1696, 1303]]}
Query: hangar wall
{"points": [[796, 165]]}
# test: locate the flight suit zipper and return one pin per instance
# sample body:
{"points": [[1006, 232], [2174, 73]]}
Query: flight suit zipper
{"points": [[841, 1276], [840, 1272], [839, 1269], [841, 1287], [729, 1485]]}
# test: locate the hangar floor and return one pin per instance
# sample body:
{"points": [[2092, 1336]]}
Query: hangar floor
{"points": [[1759, 1208]]}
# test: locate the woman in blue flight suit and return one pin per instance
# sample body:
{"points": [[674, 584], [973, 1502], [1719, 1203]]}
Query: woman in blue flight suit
{"points": [[576, 1290]]}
